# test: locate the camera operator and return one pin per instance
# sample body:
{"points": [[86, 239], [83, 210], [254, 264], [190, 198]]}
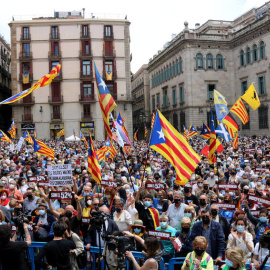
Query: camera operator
{"points": [[13, 254]]}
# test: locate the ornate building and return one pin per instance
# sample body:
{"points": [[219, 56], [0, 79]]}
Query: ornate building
{"points": [[71, 100], [223, 55]]}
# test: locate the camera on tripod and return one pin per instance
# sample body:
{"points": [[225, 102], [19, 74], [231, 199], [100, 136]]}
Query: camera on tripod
{"points": [[121, 243], [98, 219], [265, 241], [20, 218]]}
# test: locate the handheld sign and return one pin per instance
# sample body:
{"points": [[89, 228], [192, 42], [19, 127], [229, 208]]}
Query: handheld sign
{"points": [[226, 206], [256, 213], [61, 195], [37, 178], [157, 186], [106, 183], [160, 235], [86, 220], [227, 187], [60, 175], [43, 184], [259, 200]]}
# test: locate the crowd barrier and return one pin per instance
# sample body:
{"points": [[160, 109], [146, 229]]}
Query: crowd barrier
{"points": [[137, 255]]}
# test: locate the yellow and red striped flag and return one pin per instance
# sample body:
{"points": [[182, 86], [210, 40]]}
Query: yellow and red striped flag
{"points": [[239, 109], [145, 131], [235, 142], [212, 142], [168, 142], [106, 101], [135, 135], [101, 153], [84, 140], [27, 137], [60, 133], [153, 120], [93, 166], [192, 131], [4, 137], [42, 149], [186, 133], [34, 132], [12, 130]]}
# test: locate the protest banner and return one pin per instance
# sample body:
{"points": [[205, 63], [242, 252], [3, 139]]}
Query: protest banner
{"points": [[61, 195], [227, 187], [60, 175], [106, 183], [37, 178], [258, 200], [43, 184], [256, 213], [160, 235], [226, 206], [19, 145], [157, 186]]}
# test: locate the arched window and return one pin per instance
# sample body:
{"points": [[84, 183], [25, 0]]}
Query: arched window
{"points": [[262, 50], [220, 61], [199, 61], [255, 53], [180, 65], [263, 116], [175, 121], [242, 61], [248, 56], [209, 61]]}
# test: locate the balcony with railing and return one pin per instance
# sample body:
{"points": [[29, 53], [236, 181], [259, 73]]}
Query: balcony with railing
{"points": [[86, 116], [58, 77], [4, 56], [108, 37], [86, 75], [85, 35], [25, 56], [56, 116], [25, 37], [27, 117], [54, 55], [86, 54], [54, 36], [55, 99], [28, 100], [86, 99], [114, 75], [109, 53], [30, 78]]}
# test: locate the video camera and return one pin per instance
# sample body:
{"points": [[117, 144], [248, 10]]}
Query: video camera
{"points": [[19, 218], [98, 219], [265, 240], [121, 243]]}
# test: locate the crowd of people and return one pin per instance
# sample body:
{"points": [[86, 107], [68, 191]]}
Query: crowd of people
{"points": [[208, 222]]}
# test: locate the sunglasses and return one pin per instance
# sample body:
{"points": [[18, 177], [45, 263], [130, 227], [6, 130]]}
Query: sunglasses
{"points": [[136, 227], [187, 212]]}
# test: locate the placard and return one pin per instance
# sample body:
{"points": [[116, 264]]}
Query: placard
{"points": [[37, 178], [160, 235], [256, 213], [86, 220], [157, 186], [106, 183], [61, 195], [43, 184], [19, 145], [226, 206], [227, 187], [259, 200], [60, 175]]}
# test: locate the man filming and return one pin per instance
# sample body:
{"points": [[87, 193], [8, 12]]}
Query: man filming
{"points": [[9, 249]]}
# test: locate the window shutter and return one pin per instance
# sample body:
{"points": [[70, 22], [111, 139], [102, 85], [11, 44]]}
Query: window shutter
{"points": [[91, 68], [115, 91], [83, 47], [263, 90], [92, 89], [208, 92]]}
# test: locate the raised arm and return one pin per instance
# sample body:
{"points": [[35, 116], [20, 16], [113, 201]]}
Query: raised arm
{"points": [[55, 213]]}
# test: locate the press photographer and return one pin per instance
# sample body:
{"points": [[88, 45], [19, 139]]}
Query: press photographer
{"points": [[9, 249]]}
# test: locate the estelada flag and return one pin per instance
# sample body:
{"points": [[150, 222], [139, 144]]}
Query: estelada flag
{"points": [[4, 137], [235, 142], [205, 131], [192, 131], [43, 149], [251, 97], [168, 142], [27, 137], [12, 130]]}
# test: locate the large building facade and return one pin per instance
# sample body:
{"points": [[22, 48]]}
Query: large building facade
{"points": [[71, 100], [224, 55], [5, 84]]}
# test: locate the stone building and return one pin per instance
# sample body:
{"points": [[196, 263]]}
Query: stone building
{"points": [[223, 55], [71, 100], [140, 96], [5, 84]]}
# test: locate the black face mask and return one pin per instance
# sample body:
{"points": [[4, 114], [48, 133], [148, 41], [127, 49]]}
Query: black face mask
{"points": [[205, 220], [186, 190], [199, 252], [68, 214], [170, 198], [214, 212], [29, 196], [205, 187], [185, 230], [176, 201], [175, 187], [213, 202], [246, 191], [202, 202], [227, 201]]}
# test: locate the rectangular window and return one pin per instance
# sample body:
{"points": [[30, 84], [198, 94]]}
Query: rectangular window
{"points": [[112, 88], [55, 51], [26, 68], [86, 68], [153, 103], [244, 87], [54, 32], [85, 30], [158, 100], [108, 66], [181, 94], [87, 90], [26, 49], [54, 64], [210, 91], [165, 98], [108, 48], [263, 117], [86, 111], [25, 33], [56, 112], [261, 84], [174, 101], [108, 31], [56, 92], [87, 48]]}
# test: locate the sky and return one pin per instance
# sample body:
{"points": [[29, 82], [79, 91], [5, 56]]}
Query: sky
{"points": [[152, 22]]}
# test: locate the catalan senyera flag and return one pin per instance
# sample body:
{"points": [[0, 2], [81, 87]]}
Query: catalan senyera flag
{"points": [[42, 149], [84, 140], [153, 120], [229, 121], [205, 131], [127, 149], [135, 135], [220, 105], [145, 131], [93, 166], [106, 101], [220, 147], [45, 80], [192, 132], [251, 97], [101, 153], [235, 142], [27, 137], [212, 142], [168, 142], [185, 133], [4, 137], [121, 121], [60, 133], [12, 130], [239, 109], [34, 132]]}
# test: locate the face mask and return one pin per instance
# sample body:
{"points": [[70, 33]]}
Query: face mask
{"points": [[16, 176], [41, 212], [259, 183], [205, 187], [29, 175], [214, 212], [138, 173], [89, 202], [11, 209], [189, 215], [107, 196], [238, 169], [137, 231], [127, 191], [118, 210], [170, 198], [64, 205], [163, 225], [240, 228], [29, 196], [267, 175], [246, 191], [160, 197], [229, 263], [86, 194], [206, 172], [205, 220], [263, 219], [175, 187], [147, 203], [227, 201], [177, 201], [77, 170], [39, 170], [200, 184], [68, 214], [3, 197], [202, 202], [211, 174], [185, 230], [212, 202], [199, 252], [11, 186]]}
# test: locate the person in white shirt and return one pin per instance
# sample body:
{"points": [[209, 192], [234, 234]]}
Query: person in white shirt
{"points": [[212, 178], [260, 252], [121, 217]]}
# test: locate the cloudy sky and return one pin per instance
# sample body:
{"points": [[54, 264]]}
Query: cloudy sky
{"points": [[152, 22]]}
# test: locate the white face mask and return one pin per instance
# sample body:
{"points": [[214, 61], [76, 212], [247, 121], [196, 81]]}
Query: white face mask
{"points": [[89, 202], [211, 174], [127, 191], [11, 186]]}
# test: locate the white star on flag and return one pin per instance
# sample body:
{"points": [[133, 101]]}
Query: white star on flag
{"points": [[161, 134], [102, 83], [121, 122]]}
